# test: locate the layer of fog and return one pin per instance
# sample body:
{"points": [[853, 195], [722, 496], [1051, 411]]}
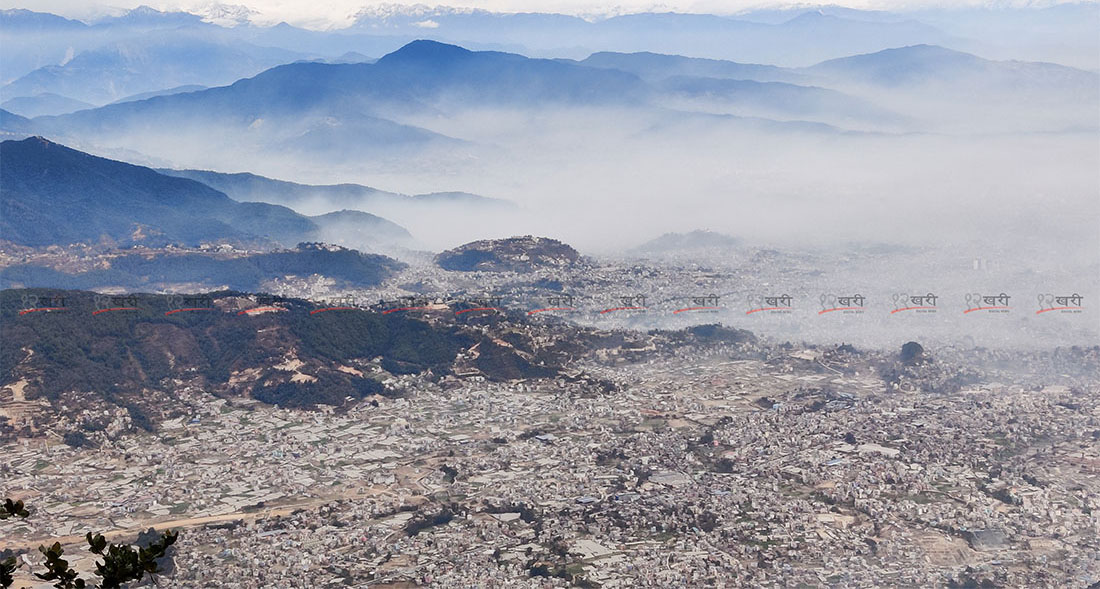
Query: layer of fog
{"points": [[991, 174], [957, 276], [1026, 205], [605, 180]]}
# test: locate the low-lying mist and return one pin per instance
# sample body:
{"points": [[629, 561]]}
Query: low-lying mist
{"points": [[607, 179], [933, 172]]}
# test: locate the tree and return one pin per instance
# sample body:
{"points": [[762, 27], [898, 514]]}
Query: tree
{"points": [[13, 509], [8, 565], [911, 353], [121, 563]]}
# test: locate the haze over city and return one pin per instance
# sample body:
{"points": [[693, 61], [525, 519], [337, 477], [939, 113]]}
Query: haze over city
{"points": [[549, 294]]}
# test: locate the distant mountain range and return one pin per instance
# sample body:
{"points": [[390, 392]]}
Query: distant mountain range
{"points": [[338, 208], [250, 187], [809, 35], [44, 103], [329, 112], [682, 242], [148, 63], [51, 51], [777, 100], [717, 86], [145, 271], [12, 124], [656, 67], [154, 93], [794, 36], [944, 68], [952, 91], [52, 194], [908, 67]]}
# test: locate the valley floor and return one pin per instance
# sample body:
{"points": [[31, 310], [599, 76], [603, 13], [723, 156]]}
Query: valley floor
{"points": [[703, 469]]}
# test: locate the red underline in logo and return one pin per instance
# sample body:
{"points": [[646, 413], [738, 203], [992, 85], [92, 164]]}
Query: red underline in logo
{"points": [[823, 311], [476, 309], [388, 311], [622, 309], [259, 310], [693, 309], [909, 309], [315, 311], [25, 311], [188, 309], [115, 309], [768, 309], [550, 309], [1059, 309], [983, 309]]}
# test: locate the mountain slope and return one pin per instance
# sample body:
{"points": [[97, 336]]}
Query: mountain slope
{"points": [[123, 358], [250, 187], [148, 63], [346, 227], [687, 242], [376, 115], [324, 109], [807, 37], [13, 124], [945, 68], [29, 21], [341, 209], [656, 67], [419, 73], [303, 109], [251, 272], [53, 194], [439, 70], [46, 103], [153, 94], [959, 92], [773, 100], [273, 349]]}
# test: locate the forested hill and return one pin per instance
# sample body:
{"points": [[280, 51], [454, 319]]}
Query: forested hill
{"points": [[84, 349], [142, 271]]}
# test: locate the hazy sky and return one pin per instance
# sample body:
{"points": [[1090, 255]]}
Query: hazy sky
{"points": [[340, 12]]}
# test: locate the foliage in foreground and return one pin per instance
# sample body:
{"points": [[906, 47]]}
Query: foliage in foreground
{"points": [[121, 563]]}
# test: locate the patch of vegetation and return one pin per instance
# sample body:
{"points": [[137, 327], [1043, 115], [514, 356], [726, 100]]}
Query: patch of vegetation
{"points": [[121, 564]]}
